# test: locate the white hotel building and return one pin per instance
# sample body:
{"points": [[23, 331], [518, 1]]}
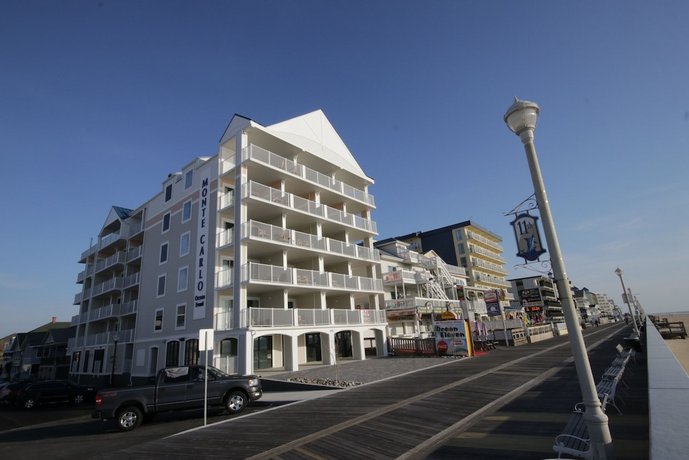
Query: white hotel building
{"points": [[269, 243]]}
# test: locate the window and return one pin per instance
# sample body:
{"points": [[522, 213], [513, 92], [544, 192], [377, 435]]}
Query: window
{"points": [[181, 318], [183, 279], [166, 222], [184, 244], [163, 253], [191, 352], [188, 179], [168, 192], [186, 211], [172, 354], [161, 285], [158, 320]]}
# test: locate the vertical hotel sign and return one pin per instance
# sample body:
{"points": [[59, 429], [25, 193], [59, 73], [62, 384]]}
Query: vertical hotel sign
{"points": [[202, 248]]}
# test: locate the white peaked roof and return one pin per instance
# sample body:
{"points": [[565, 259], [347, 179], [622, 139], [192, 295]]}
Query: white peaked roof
{"points": [[314, 133]]}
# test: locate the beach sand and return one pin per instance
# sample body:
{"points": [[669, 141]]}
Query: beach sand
{"points": [[679, 347]]}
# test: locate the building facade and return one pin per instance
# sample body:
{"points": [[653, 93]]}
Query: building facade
{"points": [[268, 245], [538, 298], [470, 246]]}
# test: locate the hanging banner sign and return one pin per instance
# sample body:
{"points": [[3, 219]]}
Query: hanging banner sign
{"points": [[528, 237], [202, 248]]}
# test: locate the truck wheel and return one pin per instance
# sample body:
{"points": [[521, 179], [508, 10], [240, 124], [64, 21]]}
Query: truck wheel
{"points": [[235, 402], [129, 418]]}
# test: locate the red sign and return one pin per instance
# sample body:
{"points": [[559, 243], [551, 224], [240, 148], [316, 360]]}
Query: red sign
{"points": [[442, 347]]}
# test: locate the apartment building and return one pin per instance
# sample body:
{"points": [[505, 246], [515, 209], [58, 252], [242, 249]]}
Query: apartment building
{"points": [[419, 287], [468, 245], [538, 297], [268, 243]]}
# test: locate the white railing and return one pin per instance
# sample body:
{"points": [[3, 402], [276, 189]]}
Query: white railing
{"points": [[307, 240], [227, 164], [304, 172], [423, 304], [488, 265], [478, 250], [105, 338], [475, 236], [134, 253], [224, 321], [226, 200], [223, 278], [225, 237], [275, 196], [128, 308], [132, 279], [491, 279], [113, 283], [300, 317], [293, 276], [102, 312], [119, 257]]}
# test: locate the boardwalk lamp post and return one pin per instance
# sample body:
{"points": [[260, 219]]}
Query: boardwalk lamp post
{"points": [[627, 300], [521, 119]]}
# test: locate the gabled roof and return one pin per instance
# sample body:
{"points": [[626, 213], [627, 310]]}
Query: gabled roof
{"points": [[314, 133]]}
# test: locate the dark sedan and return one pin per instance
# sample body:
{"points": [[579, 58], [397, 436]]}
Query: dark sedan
{"points": [[53, 391]]}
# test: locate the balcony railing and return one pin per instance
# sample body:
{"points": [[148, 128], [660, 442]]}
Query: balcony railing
{"points": [[131, 280], [478, 250], [226, 200], [134, 253], [109, 285], [225, 237], [283, 164], [305, 317], [119, 257], [491, 279], [422, 304], [105, 338], [482, 239], [273, 274], [488, 266], [293, 202], [308, 241]]}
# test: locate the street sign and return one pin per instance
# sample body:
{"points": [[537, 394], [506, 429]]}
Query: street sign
{"points": [[205, 339]]}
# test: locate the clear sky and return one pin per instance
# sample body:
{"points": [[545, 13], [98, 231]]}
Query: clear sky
{"points": [[100, 100]]}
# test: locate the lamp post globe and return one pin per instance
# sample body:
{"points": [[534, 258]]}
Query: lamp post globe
{"points": [[521, 118]]}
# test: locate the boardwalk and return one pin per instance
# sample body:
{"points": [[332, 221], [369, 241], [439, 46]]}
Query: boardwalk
{"points": [[509, 403]]}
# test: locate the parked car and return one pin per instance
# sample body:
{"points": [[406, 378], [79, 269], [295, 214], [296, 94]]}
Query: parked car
{"points": [[9, 393], [53, 391], [177, 388]]}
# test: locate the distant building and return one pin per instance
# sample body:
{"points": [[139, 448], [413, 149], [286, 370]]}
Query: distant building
{"points": [[467, 245], [268, 243], [39, 354], [538, 297]]}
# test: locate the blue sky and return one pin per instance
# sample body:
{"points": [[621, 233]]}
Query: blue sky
{"points": [[99, 101]]}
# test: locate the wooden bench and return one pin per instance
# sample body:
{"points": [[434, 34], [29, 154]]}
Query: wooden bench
{"points": [[574, 440], [607, 391]]}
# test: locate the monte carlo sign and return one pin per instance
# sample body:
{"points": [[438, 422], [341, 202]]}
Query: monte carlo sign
{"points": [[202, 248]]}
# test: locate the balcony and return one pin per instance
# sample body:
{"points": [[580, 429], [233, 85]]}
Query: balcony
{"points": [[308, 241], [399, 277], [88, 271], [306, 317], [115, 259], [105, 338], [302, 205], [483, 240], [107, 311], [492, 255], [81, 296], [107, 286], [423, 304], [284, 165], [488, 266], [134, 253], [482, 277], [131, 280], [272, 274], [226, 200], [225, 238]]}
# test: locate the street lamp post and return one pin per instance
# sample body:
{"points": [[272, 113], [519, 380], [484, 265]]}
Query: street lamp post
{"points": [[115, 339], [521, 119], [625, 298]]}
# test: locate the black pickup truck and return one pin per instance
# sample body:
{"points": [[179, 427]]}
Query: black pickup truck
{"points": [[176, 388]]}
